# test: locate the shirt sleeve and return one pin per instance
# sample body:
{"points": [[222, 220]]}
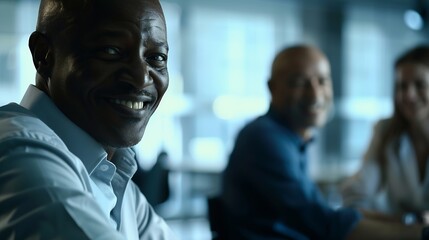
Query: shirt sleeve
{"points": [[43, 195], [361, 189], [279, 182], [147, 219]]}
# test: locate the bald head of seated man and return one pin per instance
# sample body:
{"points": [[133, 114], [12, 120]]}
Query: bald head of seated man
{"points": [[266, 190]]}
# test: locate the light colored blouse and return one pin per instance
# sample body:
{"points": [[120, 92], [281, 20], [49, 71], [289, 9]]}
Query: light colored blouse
{"points": [[401, 191]]}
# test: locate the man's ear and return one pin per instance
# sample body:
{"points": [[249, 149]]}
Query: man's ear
{"points": [[41, 50], [270, 85]]}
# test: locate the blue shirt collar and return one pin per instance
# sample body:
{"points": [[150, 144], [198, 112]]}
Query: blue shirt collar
{"points": [[298, 140], [77, 141]]}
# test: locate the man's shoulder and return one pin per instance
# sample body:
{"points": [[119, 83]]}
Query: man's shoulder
{"points": [[264, 131], [261, 126], [259, 123], [18, 123], [13, 109], [14, 117]]}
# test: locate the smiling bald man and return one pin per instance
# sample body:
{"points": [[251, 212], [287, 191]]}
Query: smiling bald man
{"points": [[65, 156], [267, 191]]}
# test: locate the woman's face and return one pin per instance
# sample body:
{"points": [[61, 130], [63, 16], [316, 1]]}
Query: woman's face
{"points": [[412, 90]]}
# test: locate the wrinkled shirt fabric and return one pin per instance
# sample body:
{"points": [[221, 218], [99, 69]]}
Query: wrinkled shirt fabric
{"points": [[56, 181]]}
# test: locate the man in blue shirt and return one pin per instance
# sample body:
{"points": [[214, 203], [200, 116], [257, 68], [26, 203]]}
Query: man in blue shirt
{"points": [[266, 189], [65, 156]]}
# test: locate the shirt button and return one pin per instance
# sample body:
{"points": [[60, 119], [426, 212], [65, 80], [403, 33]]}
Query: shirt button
{"points": [[104, 167]]}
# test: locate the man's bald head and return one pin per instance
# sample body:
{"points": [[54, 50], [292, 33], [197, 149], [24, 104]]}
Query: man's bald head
{"points": [[56, 15], [300, 86], [295, 55]]}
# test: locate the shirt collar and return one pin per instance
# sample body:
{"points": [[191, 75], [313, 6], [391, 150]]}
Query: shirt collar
{"points": [[81, 144], [125, 161], [298, 140]]}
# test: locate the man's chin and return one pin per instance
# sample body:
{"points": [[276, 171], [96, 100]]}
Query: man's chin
{"points": [[316, 122], [123, 142]]}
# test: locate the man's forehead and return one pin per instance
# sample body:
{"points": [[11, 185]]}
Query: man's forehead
{"points": [[93, 8], [128, 9], [144, 15], [299, 58]]}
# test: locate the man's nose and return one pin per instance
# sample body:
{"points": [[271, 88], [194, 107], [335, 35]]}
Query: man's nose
{"points": [[314, 89], [410, 93], [138, 70]]}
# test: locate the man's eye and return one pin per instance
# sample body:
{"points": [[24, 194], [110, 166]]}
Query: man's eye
{"points": [[297, 82], [421, 85], [108, 53], [157, 60], [402, 86], [112, 50]]}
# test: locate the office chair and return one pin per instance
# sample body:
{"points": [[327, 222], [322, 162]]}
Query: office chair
{"points": [[154, 183], [217, 218]]}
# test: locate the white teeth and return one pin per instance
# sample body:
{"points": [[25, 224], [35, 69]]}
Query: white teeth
{"points": [[129, 104]]}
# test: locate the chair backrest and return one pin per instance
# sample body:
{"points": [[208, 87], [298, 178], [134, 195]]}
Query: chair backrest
{"points": [[217, 218], [154, 183]]}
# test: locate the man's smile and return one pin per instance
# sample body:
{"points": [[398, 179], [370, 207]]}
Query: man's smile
{"points": [[135, 105], [131, 106]]}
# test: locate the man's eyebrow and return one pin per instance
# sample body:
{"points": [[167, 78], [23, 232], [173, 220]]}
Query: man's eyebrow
{"points": [[160, 44], [155, 42]]}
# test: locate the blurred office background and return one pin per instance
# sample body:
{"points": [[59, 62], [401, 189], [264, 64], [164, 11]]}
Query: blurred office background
{"points": [[219, 63]]}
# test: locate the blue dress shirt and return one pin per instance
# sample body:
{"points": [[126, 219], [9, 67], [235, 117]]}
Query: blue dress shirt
{"points": [[267, 190], [56, 181]]}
